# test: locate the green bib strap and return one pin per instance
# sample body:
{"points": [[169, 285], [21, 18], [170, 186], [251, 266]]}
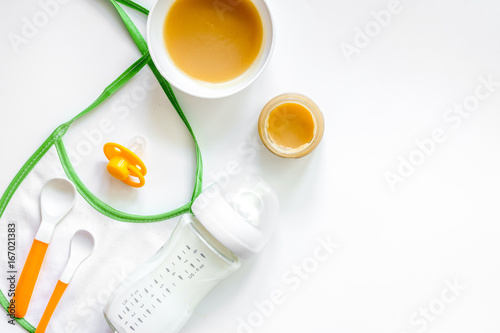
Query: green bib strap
{"points": [[134, 5], [55, 138], [143, 47]]}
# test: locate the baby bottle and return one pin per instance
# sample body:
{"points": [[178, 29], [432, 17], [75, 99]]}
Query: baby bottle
{"points": [[232, 219]]}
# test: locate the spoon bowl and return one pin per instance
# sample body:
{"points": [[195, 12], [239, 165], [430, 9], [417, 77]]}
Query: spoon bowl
{"points": [[57, 198], [82, 246]]}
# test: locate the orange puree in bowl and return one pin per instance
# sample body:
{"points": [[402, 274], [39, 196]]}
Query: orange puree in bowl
{"points": [[213, 41], [290, 125]]}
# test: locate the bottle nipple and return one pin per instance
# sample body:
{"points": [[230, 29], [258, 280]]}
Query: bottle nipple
{"points": [[125, 163], [138, 145]]}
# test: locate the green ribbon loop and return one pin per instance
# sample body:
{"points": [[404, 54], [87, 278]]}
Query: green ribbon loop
{"points": [[143, 47]]}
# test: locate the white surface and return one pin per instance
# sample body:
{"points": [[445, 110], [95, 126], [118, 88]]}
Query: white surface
{"points": [[398, 252]]}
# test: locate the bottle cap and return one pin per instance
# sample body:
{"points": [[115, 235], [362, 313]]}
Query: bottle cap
{"points": [[240, 212]]}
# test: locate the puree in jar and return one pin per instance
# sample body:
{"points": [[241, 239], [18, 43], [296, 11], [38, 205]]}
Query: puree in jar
{"points": [[213, 41], [291, 126]]}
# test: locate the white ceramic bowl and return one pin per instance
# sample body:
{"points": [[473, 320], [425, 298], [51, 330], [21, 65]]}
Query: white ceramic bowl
{"points": [[183, 82]]}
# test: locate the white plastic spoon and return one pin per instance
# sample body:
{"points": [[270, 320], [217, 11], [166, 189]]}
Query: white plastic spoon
{"points": [[57, 199], [82, 246]]}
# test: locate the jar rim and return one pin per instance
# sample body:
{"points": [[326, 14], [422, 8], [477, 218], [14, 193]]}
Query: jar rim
{"points": [[307, 103]]}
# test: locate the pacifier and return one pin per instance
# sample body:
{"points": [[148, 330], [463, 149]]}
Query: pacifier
{"points": [[125, 163]]}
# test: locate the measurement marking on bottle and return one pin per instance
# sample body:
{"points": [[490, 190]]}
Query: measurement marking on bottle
{"points": [[139, 319], [158, 300], [192, 265], [168, 291], [195, 251], [201, 254], [180, 277], [188, 247], [179, 257], [168, 270], [147, 310], [156, 281]]}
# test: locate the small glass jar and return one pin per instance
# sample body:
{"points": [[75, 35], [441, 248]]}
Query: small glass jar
{"points": [[291, 126]]}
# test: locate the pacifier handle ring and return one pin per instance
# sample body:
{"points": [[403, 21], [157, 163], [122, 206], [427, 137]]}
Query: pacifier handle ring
{"points": [[135, 172]]}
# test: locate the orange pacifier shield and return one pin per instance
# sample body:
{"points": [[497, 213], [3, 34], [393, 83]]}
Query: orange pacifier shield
{"points": [[124, 164]]}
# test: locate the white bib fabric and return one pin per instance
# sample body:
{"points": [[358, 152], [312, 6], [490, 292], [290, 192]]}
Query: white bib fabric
{"points": [[120, 247]]}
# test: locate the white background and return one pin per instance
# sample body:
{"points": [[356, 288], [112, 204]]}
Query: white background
{"points": [[397, 249]]}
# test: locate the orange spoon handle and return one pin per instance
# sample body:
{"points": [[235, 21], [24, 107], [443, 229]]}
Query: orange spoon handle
{"points": [[29, 275], [49, 310]]}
